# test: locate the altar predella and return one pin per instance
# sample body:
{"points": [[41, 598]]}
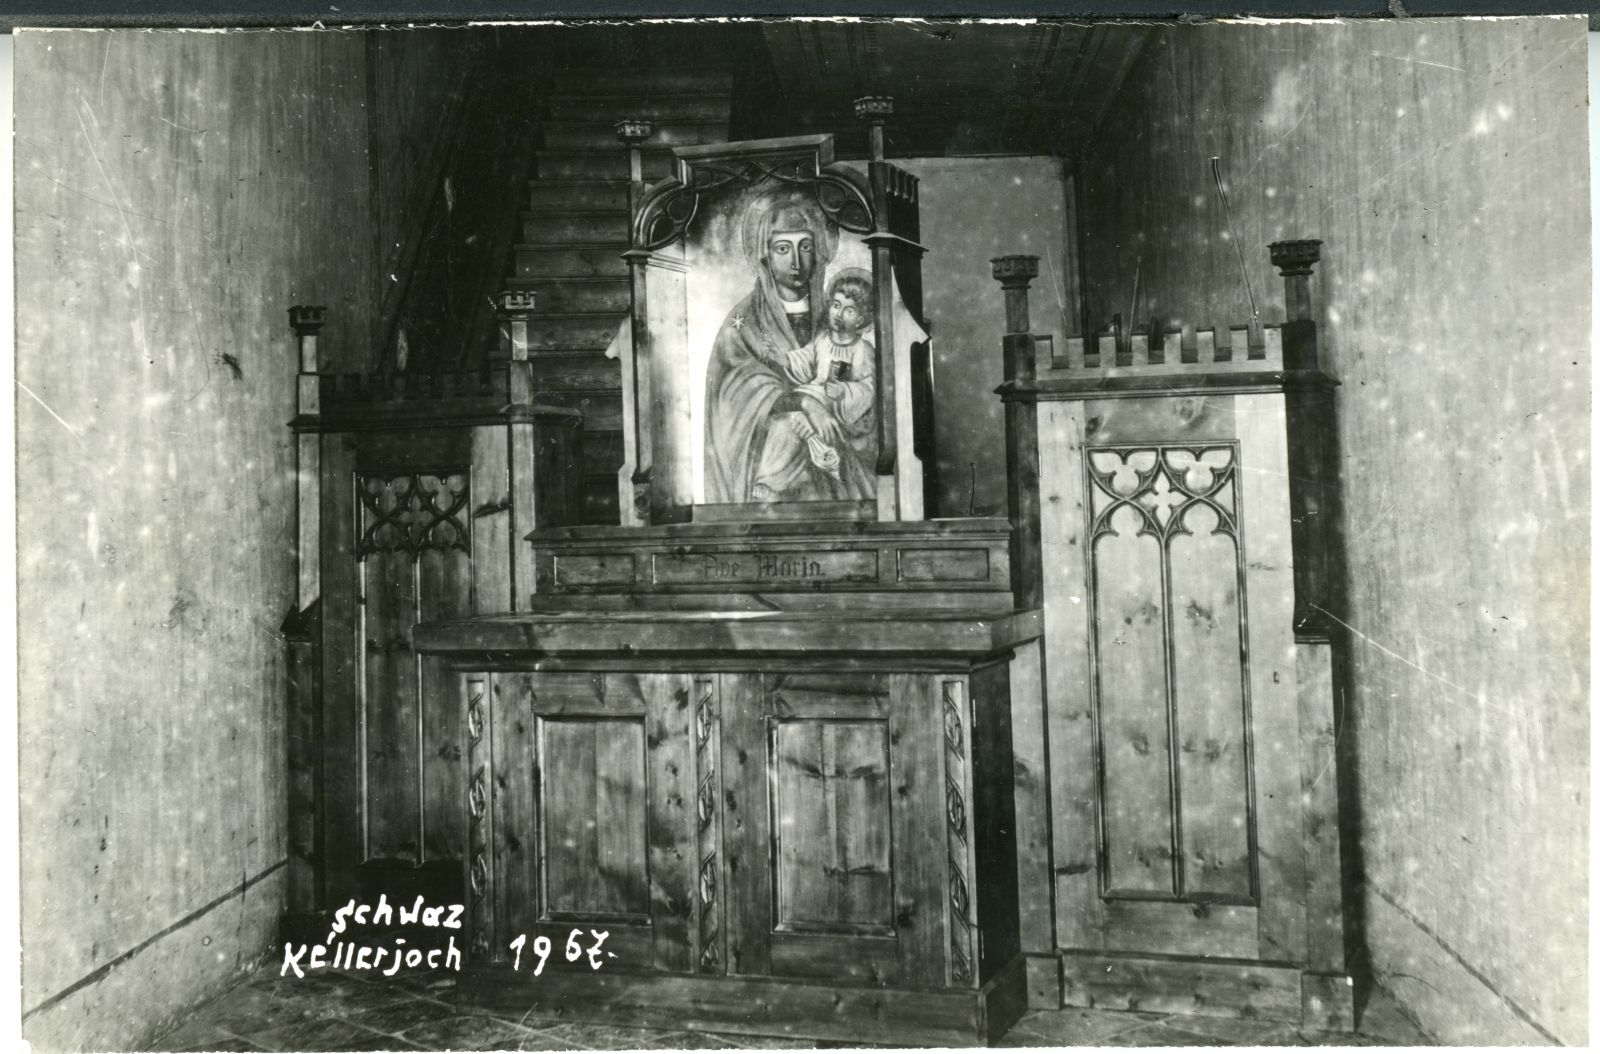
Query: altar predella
{"points": [[820, 761]]}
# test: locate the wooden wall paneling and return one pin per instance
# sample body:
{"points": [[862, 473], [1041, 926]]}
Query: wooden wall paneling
{"points": [[1031, 804], [701, 876], [917, 805], [445, 586], [1208, 698], [523, 439], [961, 908], [622, 789], [1074, 792], [308, 451], [391, 787], [1182, 987], [994, 819], [745, 835], [1273, 673], [874, 963], [1329, 999], [516, 834], [343, 767], [1166, 927], [625, 947], [671, 469], [494, 546], [304, 762], [669, 706]]}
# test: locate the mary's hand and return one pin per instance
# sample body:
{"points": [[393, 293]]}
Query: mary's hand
{"points": [[822, 419]]}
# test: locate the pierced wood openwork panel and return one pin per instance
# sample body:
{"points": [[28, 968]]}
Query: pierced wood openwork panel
{"points": [[413, 513]]}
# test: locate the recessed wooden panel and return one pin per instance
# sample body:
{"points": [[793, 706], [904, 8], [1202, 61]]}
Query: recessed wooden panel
{"points": [[592, 790], [944, 565], [832, 826], [412, 551], [393, 737], [1209, 702], [594, 570], [444, 580], [1135, 756], [1170, 927]]}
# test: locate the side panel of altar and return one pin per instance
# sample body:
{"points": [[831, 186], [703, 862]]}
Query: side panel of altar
{"points": [[1175, 494], [412, 492]]}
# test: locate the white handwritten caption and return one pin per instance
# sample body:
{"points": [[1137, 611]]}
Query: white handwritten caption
{"points": [[339, 954], [541, 948]]}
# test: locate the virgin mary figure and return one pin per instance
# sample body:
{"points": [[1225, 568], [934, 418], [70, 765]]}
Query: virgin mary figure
{"points": [[788, 243]]}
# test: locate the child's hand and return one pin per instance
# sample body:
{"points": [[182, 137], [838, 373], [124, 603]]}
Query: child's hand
{"points": [[834, 389]]}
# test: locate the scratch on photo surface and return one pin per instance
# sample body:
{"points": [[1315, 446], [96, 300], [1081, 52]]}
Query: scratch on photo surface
{"points": [[1416, 62], [51, 412], [1420, 669], [182, 128], [127, 229]]}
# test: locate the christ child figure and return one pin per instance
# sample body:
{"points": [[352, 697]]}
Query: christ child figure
{"points": [[821, 442]]}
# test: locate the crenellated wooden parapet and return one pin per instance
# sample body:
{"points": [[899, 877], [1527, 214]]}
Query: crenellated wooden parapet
{"points": [[1172, 494]]}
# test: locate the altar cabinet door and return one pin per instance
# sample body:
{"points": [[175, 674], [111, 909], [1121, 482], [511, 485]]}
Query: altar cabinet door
{"points": [[591, 781], [833, 828]]}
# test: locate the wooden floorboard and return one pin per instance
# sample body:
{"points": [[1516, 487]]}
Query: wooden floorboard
{"points": [[761, 1006]]}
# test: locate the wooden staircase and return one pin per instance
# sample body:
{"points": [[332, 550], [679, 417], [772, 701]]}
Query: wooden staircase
{"points": [[575, 230]]}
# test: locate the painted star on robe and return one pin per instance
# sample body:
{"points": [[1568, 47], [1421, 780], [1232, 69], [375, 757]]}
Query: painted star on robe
{"points": [[737, 321]]}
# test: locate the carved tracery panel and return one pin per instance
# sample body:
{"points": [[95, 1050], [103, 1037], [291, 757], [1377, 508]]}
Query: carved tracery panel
{"points": [[1171, 686]]}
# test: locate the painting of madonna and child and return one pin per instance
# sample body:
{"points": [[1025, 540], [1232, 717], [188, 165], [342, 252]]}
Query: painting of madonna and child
{"points": [[782, 311]]}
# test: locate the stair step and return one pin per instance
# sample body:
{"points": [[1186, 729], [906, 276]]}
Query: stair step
{"points": [[600, 452], [601, 165], [600, 504], [571, 260], [548, 227], [570, 332], [576, 371], [657, 107], [583, 295], [602, 135], [582, 194]]}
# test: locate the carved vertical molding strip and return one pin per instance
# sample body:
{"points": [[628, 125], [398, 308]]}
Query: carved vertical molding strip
{"points": [[708, 827], [480, 819], [958, 829]]}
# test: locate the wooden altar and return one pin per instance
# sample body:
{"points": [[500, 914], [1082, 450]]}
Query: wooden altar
{"points": [[759, 735]]}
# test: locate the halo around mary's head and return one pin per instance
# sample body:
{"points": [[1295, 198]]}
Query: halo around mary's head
{"points": [[787, 209]]}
